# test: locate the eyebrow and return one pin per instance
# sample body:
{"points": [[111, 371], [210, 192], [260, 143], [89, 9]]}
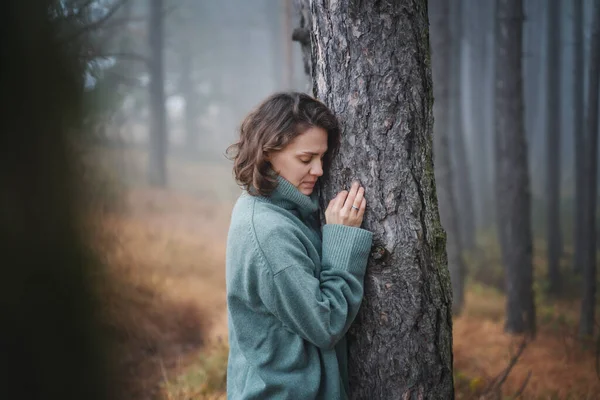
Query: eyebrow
{"points": [[312, 153]]}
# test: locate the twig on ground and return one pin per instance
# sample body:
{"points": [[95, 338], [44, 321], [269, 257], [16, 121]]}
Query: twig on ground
{"points": [[523, 386], [495, 385]]}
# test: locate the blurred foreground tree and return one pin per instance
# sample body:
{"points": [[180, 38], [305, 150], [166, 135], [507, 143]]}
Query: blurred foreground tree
{"points": [[370, 65], [50, 339], [512, 172]]}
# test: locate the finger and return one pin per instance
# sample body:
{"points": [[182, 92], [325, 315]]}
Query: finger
{"points": [[363, 207], [351, 196], [358, 199], [331, 203], [341, 198]]}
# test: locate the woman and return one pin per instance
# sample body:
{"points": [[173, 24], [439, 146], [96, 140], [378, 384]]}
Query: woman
{"points": [[292, 290]]}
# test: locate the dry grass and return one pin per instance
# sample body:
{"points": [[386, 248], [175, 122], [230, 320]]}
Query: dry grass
{"points": [[561, 366], [163, 295]]}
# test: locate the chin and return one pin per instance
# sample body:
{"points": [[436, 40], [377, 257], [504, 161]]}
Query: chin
{"points": [[306, 191]]}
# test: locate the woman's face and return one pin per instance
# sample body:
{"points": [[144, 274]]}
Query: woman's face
{"points": [[301, 161]]}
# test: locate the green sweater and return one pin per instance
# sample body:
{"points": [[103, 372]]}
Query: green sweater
{"points": [[292, 293]]}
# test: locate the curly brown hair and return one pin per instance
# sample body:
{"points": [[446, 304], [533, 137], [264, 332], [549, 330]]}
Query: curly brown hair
{"points": [[270, 127]]}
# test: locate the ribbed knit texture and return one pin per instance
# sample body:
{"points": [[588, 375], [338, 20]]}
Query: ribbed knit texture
{"points": [[291, 298]]}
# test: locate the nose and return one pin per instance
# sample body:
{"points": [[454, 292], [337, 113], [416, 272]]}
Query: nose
{"points": [[317, 168]]}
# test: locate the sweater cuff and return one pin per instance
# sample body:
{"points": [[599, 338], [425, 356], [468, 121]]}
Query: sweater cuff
{"points": [[346, 247]]}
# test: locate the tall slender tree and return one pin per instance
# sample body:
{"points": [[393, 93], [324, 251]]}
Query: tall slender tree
{"points": [[441, 56], [553, 164], [157, 157], [371, 65], [475, 40], [586, 324], [578, 133], [464, 193], [512, 173]]}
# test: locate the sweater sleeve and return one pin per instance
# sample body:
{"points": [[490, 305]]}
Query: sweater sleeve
{"points": [[319, 308]]}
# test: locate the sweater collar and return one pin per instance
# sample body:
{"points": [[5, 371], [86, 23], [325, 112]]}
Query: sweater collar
{"points": [[288, 196]]}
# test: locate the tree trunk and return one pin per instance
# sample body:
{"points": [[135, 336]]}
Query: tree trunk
{"points": [[441, 38], [288, 67], [475, 39], [157, 168], [371, 66], [537, 136], [512, 170], [579, 134], [190, 97], [588, 303], [553, 147], [302, 34], [489, 90], [457, 143], [51, 276]]}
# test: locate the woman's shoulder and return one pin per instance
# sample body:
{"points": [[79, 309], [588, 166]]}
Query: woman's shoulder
{"points": [[264, 219]]}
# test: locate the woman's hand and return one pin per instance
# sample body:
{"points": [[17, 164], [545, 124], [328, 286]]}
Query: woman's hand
{"points": [[347, 208]]}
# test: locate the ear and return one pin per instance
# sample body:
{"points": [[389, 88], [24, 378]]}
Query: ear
{"points": [[267, 156]]}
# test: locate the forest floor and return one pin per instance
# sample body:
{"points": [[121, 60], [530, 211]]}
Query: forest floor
{"points": [[173, 246]]}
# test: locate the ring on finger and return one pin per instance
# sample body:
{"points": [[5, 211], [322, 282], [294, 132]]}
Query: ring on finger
{"points": [[356, 208]]}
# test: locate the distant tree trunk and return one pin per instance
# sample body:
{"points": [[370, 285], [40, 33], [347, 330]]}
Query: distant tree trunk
{"points": [[511, 169], [288, 66], [475, 36], [157, 167], [371, 66], [579, 134], [457, 143], [538, 110], [190, 97], [586, 323], [553, 146], [441, 38], [302, 34], [489, 90]]}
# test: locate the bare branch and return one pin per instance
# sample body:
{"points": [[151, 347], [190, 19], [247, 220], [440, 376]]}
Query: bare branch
{"points": [[124, 56], [125, 80], [523, 386], [301, 35], [497, 382], [77, 13], [99, 22]]}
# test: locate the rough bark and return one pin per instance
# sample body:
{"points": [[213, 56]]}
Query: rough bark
{"points": [[371, 66], [553, 146], [464, 194], [157, 168], [441, 56], [579, 134], [588, 303], [512, 173]]}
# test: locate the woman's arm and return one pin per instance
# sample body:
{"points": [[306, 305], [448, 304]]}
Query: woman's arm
{"points": [[319, 309]]}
